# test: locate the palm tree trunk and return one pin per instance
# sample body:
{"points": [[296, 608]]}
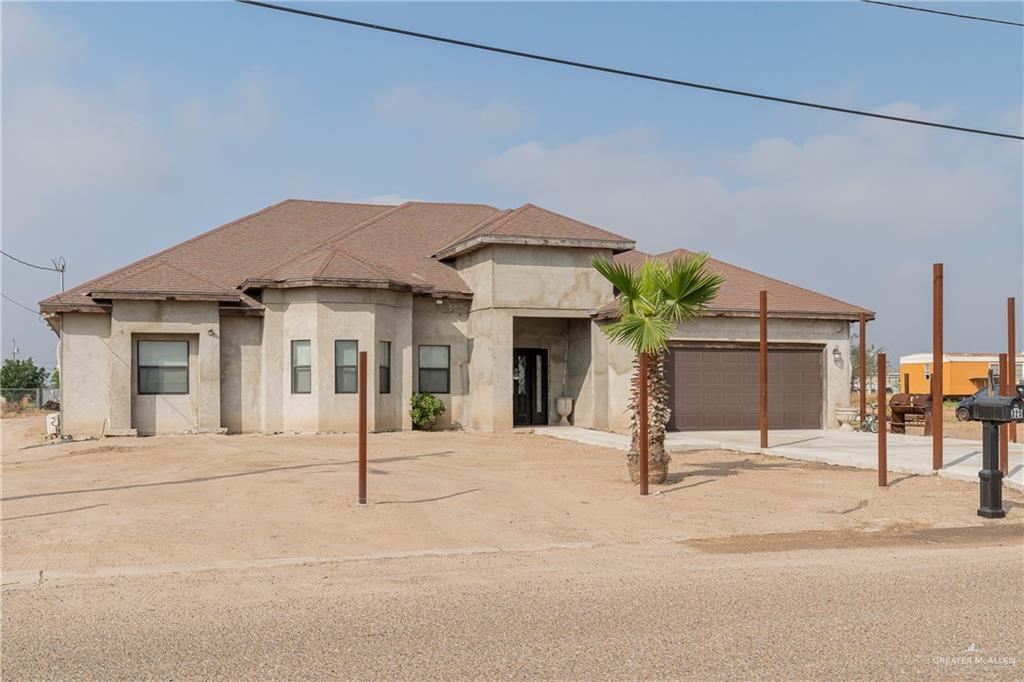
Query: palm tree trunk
{"points": [[657, 420]]}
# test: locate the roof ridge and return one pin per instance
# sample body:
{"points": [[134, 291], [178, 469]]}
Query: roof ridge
{"points": [[373, 265], [342, 203], [163, 252], [504, 219], [327, 261], [476, 229], [332, 238]]}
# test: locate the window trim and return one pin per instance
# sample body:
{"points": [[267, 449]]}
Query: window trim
{"points": [[447, 369], [293, 366], [383, 387], [337, 388], [139, 366]]}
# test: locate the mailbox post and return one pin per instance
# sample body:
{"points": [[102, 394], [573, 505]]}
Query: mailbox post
{"points": [[992, 411]]}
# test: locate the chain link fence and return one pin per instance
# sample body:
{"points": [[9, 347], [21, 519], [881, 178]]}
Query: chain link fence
{"points": [[21, 399]]}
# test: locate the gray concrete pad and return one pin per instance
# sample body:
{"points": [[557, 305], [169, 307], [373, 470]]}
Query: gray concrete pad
{"points": [[906, 453]]}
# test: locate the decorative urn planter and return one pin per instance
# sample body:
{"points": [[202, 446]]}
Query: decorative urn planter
{"points": [[564, 408], [846, 415]]}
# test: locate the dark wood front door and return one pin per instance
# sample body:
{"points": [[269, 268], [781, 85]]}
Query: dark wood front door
{"points": [[530, 386]]}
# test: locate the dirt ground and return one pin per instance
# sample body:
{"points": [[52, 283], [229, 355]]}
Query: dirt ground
{"points": [[489, 556], [186, 499]]}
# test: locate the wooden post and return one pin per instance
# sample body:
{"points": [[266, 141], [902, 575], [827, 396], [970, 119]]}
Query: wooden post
{"points": [[1011, 369], [362, 427], [937, 387], [863, 366], [906, 383], [883, 458], [764, 368], [1004, 429], [643, 423]]}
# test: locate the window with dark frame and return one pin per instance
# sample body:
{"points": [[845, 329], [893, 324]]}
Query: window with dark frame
{"points": [[302, 358], [162, 367], [384, 366], [346, 366], [435, 372]]}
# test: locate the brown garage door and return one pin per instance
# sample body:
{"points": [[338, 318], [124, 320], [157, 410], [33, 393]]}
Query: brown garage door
{"points": [[717, 388]]}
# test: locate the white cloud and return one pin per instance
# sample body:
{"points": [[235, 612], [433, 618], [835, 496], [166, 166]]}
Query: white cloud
{"points": [[386, 199], [875, 178], [59, 141], [859, 214], [245, 110], [428, 106], [29, 40]]}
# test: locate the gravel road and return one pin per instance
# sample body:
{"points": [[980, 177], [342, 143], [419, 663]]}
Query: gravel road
{"points": [[654, 610]]}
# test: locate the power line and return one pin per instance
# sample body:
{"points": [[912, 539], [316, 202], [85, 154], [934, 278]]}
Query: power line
{"points": [[32, 265], [20, 305], [623, 72], [948, 14]]}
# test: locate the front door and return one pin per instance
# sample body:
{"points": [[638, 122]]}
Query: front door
{"points": [[530, 386]]}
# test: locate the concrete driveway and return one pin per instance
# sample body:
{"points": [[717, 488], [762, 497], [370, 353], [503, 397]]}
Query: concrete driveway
{"points": [[906, 454]]}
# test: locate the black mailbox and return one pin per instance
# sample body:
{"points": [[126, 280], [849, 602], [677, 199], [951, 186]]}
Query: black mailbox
{"points": [[991, 411], [998, 408]]}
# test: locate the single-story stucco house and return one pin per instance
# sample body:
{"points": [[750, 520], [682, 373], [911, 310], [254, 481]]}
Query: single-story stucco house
{"points": [[255, 327]]}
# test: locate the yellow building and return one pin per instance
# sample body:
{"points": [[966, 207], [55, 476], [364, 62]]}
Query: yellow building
{"points": [[962, 373]]}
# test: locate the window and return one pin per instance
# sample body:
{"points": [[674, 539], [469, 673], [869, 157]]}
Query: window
{"points": [[384, 366], [163, 367], [434, 369], [302, 359], [346, 366]]}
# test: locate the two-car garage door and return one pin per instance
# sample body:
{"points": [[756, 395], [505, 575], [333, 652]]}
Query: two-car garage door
{"points": [[717, 387]]}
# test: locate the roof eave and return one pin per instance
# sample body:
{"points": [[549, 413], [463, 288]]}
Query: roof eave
{"points": [[747, 313], [353, 283], [161, 295], [480, 241]]}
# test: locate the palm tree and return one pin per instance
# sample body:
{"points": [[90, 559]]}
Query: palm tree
{"points": [[653, 300]]}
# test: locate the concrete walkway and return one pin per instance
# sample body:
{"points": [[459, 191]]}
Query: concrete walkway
{"points": [[907, 454]]}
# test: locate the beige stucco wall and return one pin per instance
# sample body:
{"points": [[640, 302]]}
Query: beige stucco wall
{"points": [[128, 412], [240, 372], [832, 334], [445, 322], [166, 413], [515, 283], [85, 374], [323, 315]]}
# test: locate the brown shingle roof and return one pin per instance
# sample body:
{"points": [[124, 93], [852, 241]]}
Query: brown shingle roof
{"points": [[224, 257], [529, 222], [740, 291], [301, 243]]}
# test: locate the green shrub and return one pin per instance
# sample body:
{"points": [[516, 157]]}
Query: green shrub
{"points": [[425, 409]]}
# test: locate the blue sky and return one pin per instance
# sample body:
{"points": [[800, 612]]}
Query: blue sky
{"points": [[130, 127]]}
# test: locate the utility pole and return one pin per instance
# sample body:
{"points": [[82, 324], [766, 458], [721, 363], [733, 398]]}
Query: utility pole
{"points": [[14, 349]]}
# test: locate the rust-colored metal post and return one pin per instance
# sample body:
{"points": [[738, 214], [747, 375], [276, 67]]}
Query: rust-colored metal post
{"points": [[362, 427], [863, 366], [1011, 351], [937, 366], [883, 457], [1004, 429], [906, 383], [764, 368], [642, 406]]}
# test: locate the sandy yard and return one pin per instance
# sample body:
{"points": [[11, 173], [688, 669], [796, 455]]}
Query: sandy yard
{"points": [[183, 499], [485, 556]]}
